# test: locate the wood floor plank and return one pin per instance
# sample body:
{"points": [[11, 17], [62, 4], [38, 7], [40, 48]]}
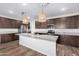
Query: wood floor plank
{"points": [[64, 50], [14, 49]]}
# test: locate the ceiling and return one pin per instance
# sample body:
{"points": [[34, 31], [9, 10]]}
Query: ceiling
{"points": [[33, 9]]}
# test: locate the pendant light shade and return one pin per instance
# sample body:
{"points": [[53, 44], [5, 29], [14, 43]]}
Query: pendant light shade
{"points": [[42, 17], [25, 20]]}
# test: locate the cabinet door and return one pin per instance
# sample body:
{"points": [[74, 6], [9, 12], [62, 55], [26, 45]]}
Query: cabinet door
{"points": [[58, 23], [37, 24], [18, 24], [69, 40], [9, 23], [3, 38], [41, 25], [0, 38], [8, 37], [51, 21], [70, 22], [2, 22], [77, 22], [12, 23]]}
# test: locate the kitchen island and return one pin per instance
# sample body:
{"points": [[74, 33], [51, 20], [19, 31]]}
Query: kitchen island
{"points": [[45, 44]]}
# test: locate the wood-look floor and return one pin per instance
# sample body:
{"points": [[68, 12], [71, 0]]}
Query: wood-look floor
{"points": [[64, 50], [14, 49]]}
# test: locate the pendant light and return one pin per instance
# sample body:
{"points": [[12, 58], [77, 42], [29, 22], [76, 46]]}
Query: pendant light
{"points": [[42, 16], [25, 18]]}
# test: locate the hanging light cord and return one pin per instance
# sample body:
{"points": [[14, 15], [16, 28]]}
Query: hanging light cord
{"points": [[44, 6]]}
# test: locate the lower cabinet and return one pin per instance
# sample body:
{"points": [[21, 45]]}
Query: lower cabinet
{"points": [[8, 37], [69, 40]]}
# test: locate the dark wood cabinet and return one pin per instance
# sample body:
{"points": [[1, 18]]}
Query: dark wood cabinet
{"points": [[37, 24], [77, 22], [9, 23], [71, 22], [41, 25], [51, 21], [2, 23], [69, 40], [8, 37], [59, 23]]}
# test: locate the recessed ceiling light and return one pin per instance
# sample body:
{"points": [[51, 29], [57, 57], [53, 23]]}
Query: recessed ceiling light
{"points": [[10, 11], [63, 9], [24, 4]]}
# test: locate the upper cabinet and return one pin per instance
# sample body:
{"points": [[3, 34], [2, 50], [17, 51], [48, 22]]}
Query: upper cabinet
{"points": [[41, 25], [17, 24], [57, 23], [9, 23], [71, 22], [77, 22]]}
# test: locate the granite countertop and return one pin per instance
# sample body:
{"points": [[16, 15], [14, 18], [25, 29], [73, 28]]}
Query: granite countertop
{"points": [[72, 32], [68, 33], [7, 32], [43, 37]]}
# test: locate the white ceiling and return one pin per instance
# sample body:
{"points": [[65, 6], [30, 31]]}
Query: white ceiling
{"points": [[33, 9]]}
